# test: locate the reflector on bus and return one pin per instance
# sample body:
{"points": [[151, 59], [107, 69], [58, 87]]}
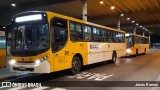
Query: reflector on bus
{"points": [[28, 18]]}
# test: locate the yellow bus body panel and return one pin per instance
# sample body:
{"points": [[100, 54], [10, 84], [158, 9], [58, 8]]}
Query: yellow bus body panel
{"points": [[3, 58]]}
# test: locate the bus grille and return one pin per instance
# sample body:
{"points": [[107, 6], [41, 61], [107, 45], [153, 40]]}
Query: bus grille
{"points": [[25, 61], [26, 69]]}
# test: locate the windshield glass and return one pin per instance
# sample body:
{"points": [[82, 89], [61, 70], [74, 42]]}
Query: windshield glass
{"points": [[30, 37]]}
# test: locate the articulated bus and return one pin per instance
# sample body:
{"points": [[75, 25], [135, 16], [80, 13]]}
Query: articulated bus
{"points": [[44, 42], [3, 51], [136, 44]]}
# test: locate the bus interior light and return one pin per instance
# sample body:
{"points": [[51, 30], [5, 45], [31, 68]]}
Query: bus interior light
{"points": [[28, 18]]}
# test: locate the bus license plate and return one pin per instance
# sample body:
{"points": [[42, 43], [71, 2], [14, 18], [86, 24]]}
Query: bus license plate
{"points": [[22, 68]]}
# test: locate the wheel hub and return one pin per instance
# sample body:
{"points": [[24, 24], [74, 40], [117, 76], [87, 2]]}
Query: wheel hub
{"points": [[75, 65]]}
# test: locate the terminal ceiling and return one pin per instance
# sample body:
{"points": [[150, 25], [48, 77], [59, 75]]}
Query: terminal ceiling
{"points": [[144, 12]]}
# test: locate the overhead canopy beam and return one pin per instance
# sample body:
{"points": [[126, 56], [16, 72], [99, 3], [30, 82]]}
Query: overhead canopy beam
{"points": [[131, 24], [5, 10], [155, 29], [128, 14]]}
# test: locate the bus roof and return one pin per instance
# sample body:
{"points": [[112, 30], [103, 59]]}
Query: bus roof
{"points": [[138, 35], [72, 19], [83, 22]]}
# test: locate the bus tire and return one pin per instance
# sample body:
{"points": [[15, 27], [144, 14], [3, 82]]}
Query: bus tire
{"points": [[136, 52], [76, 65], [114, 57]]}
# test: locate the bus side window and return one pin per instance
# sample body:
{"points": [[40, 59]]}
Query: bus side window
{"points": [[73, 34], [87, 32], [120, 37], [116, 37], [79, 32], [113, 36], [104, 35], [76, 32], [96, 34], [110, 36], [147, 41]]}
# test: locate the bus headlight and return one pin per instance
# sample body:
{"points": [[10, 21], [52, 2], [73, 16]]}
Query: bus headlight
{"points": [[12, 62], [128, 50], [37, 62]]}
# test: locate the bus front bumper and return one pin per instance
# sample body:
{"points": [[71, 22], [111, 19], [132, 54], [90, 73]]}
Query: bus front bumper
{"points": [[43, 67]]}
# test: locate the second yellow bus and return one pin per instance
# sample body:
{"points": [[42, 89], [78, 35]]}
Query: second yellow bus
{"points": [[136, 44]]}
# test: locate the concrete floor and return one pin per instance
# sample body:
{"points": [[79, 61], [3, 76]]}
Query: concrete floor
{"points": [[140, 68]]}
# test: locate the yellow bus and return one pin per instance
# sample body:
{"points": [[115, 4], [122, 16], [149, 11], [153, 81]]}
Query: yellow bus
{"points": [[136, 44], [3, 52], [44, 42]]}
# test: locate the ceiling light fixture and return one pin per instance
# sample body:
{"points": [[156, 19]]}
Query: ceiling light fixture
{"points": [[128, 18], [122, 15], [140, 26], [13, 4], [133, 21], [137, 24], [101, 2], [112, 7]]}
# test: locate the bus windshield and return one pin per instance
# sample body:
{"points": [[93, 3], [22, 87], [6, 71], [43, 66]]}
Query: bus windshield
{"points": [[30, 37]]}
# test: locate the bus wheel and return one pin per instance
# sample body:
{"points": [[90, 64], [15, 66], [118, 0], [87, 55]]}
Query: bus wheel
{"points": [[76, 65], [114, 57]]}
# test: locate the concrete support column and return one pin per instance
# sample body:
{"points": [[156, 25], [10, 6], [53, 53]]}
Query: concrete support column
{"points": [[84, 10], [119, 23], [149, 37], [143, 33], [134, 30]]}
